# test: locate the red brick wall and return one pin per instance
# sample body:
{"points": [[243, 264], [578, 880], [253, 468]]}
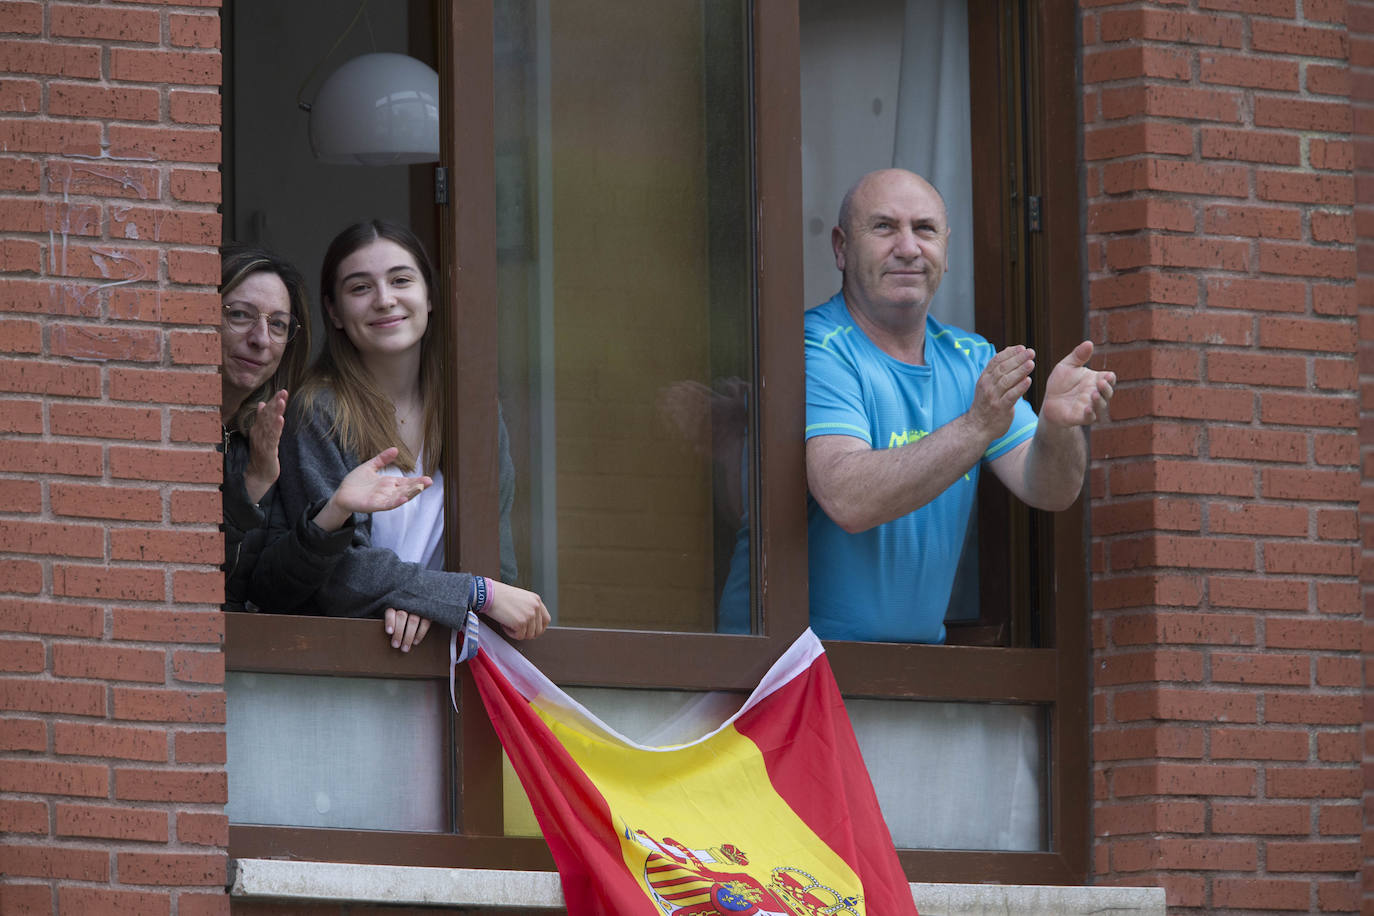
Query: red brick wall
{"points": [[112, 779], [1228, 682], [1361, 18]]}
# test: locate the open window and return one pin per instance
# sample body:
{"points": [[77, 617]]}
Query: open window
{"points": [[621, 252]]}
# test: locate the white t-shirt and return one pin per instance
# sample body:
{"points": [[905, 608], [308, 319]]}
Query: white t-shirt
{"points": [[414, 531]]}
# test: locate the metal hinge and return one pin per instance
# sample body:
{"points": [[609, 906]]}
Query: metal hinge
{"points": [[1033, 213], [440, 184]]}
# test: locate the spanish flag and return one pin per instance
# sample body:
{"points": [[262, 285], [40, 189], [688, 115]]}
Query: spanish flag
{"points": [[770, 814]]}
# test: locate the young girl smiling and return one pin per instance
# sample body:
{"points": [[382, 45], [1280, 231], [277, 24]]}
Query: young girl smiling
{"points": [[379, 383]]}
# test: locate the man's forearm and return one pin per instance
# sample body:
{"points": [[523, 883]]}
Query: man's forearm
{"points": [[1055, 463], [861, 487]]}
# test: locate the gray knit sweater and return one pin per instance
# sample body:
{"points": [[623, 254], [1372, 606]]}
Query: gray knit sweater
{"points": [[368, 579]]}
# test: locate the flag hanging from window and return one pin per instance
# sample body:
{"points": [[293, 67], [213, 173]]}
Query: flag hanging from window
{"points": [[770, 814]]}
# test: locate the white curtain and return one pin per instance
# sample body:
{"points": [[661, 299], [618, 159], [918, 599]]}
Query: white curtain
{"points": [[361, 753], [933, 136], [366, 753], [886, 83], [955, 775]]}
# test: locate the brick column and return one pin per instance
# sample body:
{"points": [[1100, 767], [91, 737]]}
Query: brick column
{"points": [[112, 782], [1361, 18], [1226, 626]]}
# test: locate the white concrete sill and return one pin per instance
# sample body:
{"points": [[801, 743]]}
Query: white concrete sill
{"points": [[396, 885]]}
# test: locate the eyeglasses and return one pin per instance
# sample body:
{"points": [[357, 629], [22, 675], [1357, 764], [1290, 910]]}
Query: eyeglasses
{"points": [[281, 326]]}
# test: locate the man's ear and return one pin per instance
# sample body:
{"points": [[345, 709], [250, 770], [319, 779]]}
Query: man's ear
{"points": [[837, 243]]}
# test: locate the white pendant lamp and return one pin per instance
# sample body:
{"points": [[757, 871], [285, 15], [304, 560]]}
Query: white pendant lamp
{"points": [[377, 109]]}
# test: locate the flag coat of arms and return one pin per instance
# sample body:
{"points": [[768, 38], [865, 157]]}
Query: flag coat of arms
{"points": [[770, 814]]}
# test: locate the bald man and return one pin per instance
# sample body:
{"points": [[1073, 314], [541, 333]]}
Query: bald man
{"points": [[902, 412]]}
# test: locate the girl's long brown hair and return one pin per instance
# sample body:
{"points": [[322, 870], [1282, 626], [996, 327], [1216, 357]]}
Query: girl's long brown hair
{"points": [[236, 263], [364, 419]]}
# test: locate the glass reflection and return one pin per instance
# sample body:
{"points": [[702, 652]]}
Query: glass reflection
{"points": [[625, 284]]}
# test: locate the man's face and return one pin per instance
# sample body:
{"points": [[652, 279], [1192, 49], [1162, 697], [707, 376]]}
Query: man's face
{"points": [[892, 252]]}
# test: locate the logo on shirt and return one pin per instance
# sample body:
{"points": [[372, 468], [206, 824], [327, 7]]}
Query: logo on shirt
{"points": [[907, 437]]}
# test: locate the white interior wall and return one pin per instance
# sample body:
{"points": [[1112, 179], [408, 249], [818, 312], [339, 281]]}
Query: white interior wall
{"points": [[283, 198]]}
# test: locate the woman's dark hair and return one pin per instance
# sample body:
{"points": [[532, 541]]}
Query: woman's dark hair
{"points": [[236, 263]]}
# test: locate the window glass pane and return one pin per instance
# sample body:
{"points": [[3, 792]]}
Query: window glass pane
{"points": [[625, 286], [885, 83], [956, 775], [337, 752]]}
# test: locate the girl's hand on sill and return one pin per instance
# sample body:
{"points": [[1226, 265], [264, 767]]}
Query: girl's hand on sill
{"points": [[405, 628], [520, 613]]}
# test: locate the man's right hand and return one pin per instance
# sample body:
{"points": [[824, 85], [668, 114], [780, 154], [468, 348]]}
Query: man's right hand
{"points": [[1005, 379]]}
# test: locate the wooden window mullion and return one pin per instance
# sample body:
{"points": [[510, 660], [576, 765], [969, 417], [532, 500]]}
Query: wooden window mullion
{"points": [[467, 318]]}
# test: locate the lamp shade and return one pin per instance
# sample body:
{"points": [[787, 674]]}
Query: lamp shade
{"points": [[377, 109]]}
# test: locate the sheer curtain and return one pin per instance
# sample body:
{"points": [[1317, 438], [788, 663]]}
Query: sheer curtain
{"points": [[955, 775], [886, 83], [933, 136], [364, 753]]}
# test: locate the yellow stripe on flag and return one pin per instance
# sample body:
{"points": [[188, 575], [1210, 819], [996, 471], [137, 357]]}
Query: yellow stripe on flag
{"points": [[696, 805]]}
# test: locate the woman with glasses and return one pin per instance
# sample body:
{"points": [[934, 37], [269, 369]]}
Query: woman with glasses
{"points": [[265, 340], [380, 380]]}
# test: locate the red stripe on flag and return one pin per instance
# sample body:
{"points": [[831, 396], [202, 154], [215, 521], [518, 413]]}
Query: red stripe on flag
{"points": [[573, 815], [809, 749]]}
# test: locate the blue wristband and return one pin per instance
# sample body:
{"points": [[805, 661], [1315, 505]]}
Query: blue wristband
{"points": [[477, 600]]}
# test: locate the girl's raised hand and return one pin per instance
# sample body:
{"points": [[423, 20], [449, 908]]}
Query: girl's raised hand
{"points": [[367, 489]]}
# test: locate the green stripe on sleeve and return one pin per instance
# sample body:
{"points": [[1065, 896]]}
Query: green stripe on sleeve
{"points": [[837, 427], [1001, 444]]}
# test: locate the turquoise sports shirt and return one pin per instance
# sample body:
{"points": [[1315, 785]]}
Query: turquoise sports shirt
{"points": [[891, 583]]}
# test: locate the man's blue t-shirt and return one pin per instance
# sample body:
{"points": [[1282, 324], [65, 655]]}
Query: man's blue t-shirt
{"points": [[891, 583]]}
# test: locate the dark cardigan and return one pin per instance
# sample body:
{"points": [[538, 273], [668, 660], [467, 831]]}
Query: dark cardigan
{"points": [[249, 542], [366, 579]]}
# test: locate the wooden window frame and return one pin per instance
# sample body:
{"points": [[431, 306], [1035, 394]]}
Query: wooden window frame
{"points": [[1053, 676]]}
